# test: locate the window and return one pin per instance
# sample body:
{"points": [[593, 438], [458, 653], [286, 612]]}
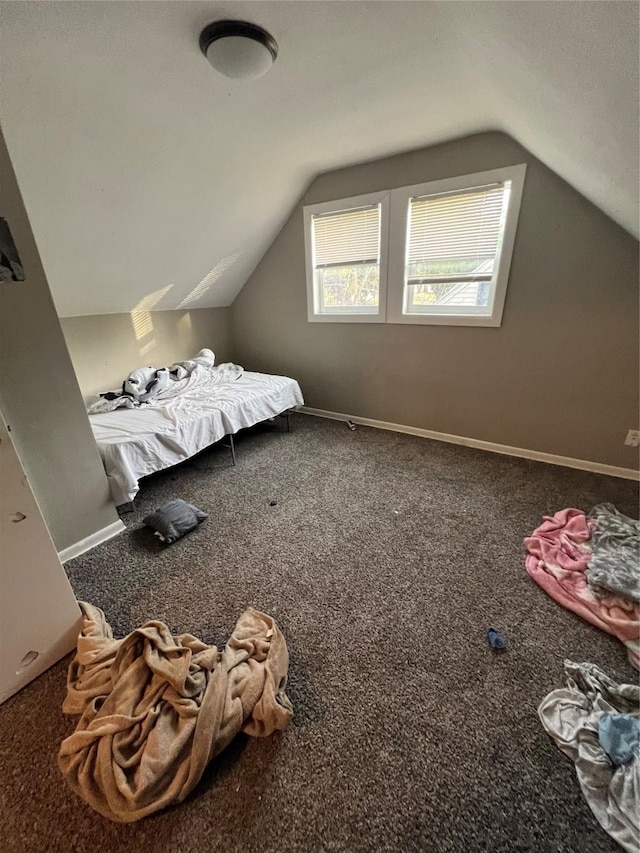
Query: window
{"points": [[346, 259], [346, 251], [432, 253], [452, 243]]}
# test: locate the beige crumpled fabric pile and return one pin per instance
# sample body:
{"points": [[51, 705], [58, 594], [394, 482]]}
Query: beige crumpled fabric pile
{"points": [[157, 708]]}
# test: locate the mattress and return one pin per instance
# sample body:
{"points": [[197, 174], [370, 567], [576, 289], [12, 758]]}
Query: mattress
{"points": [[136, 442]]}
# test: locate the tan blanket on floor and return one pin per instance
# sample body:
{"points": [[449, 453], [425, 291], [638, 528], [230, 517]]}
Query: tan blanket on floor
{"points": [[157, 708]]}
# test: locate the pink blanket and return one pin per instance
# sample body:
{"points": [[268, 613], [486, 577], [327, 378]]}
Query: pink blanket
{"points": [[558, 557]]}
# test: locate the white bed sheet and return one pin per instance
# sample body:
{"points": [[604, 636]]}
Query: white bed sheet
{"points": [[136, 442]]}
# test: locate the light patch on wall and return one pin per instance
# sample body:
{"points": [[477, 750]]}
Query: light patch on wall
{"points": [[141, 317], [209, 280], [142, 324]]}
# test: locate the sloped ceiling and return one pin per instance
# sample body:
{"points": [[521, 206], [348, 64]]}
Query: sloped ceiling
{"points": [[153, 182]]}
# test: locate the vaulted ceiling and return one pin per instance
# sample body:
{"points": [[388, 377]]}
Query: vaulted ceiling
{"points": [[153, 182]]}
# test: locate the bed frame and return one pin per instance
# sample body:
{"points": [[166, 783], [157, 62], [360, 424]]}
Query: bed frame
{"points": [[134, 443]]}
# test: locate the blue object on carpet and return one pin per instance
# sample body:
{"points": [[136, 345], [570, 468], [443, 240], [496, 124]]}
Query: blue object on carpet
{"points": [[495, 638]]}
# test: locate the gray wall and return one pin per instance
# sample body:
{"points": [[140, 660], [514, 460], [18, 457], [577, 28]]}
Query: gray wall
{"points": [[559, 376], [39, 394], [105, 348]]}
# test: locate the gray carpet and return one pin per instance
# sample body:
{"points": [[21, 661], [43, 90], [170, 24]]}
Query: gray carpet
{"points": [[384, 560]]}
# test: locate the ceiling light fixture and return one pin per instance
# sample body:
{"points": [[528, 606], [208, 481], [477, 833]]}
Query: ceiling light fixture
{"points": [[238, 49]]}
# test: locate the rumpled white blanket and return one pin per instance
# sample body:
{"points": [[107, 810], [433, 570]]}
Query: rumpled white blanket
{"points": [[198, 377], [571, 716], [153, 386], [155, 709]]}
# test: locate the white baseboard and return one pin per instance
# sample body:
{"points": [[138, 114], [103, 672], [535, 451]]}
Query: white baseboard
{"points": [[91, 541], [505, 449]]}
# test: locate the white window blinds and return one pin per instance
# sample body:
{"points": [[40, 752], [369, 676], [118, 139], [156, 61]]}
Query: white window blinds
{"points": [[347, 238], [455, 237]]}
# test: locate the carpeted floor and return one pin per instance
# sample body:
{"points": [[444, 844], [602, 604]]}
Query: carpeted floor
{"points": [[384, 560]]}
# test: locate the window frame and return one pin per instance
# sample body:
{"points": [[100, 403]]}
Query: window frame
{"points": [[348, 315], [394, 219], [398, 227]]}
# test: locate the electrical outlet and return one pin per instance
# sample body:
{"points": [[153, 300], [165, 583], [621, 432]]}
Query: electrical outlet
{"points": [[633, 438]]}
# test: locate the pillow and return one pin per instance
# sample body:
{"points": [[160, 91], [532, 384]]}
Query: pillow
{"points": [[174, 519]]}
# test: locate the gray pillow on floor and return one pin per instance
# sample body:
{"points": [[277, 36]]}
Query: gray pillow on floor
{"points": [[174, 519]]}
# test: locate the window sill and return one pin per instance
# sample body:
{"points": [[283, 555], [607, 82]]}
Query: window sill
{"points": [[483, 320], [447, 320], [345, 318]]}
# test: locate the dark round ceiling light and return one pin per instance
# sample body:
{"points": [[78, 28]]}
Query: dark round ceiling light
{"points": [[238, 49]]}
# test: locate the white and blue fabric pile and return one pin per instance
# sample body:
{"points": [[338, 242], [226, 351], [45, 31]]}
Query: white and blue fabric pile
{"points": [[596, 722]]}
